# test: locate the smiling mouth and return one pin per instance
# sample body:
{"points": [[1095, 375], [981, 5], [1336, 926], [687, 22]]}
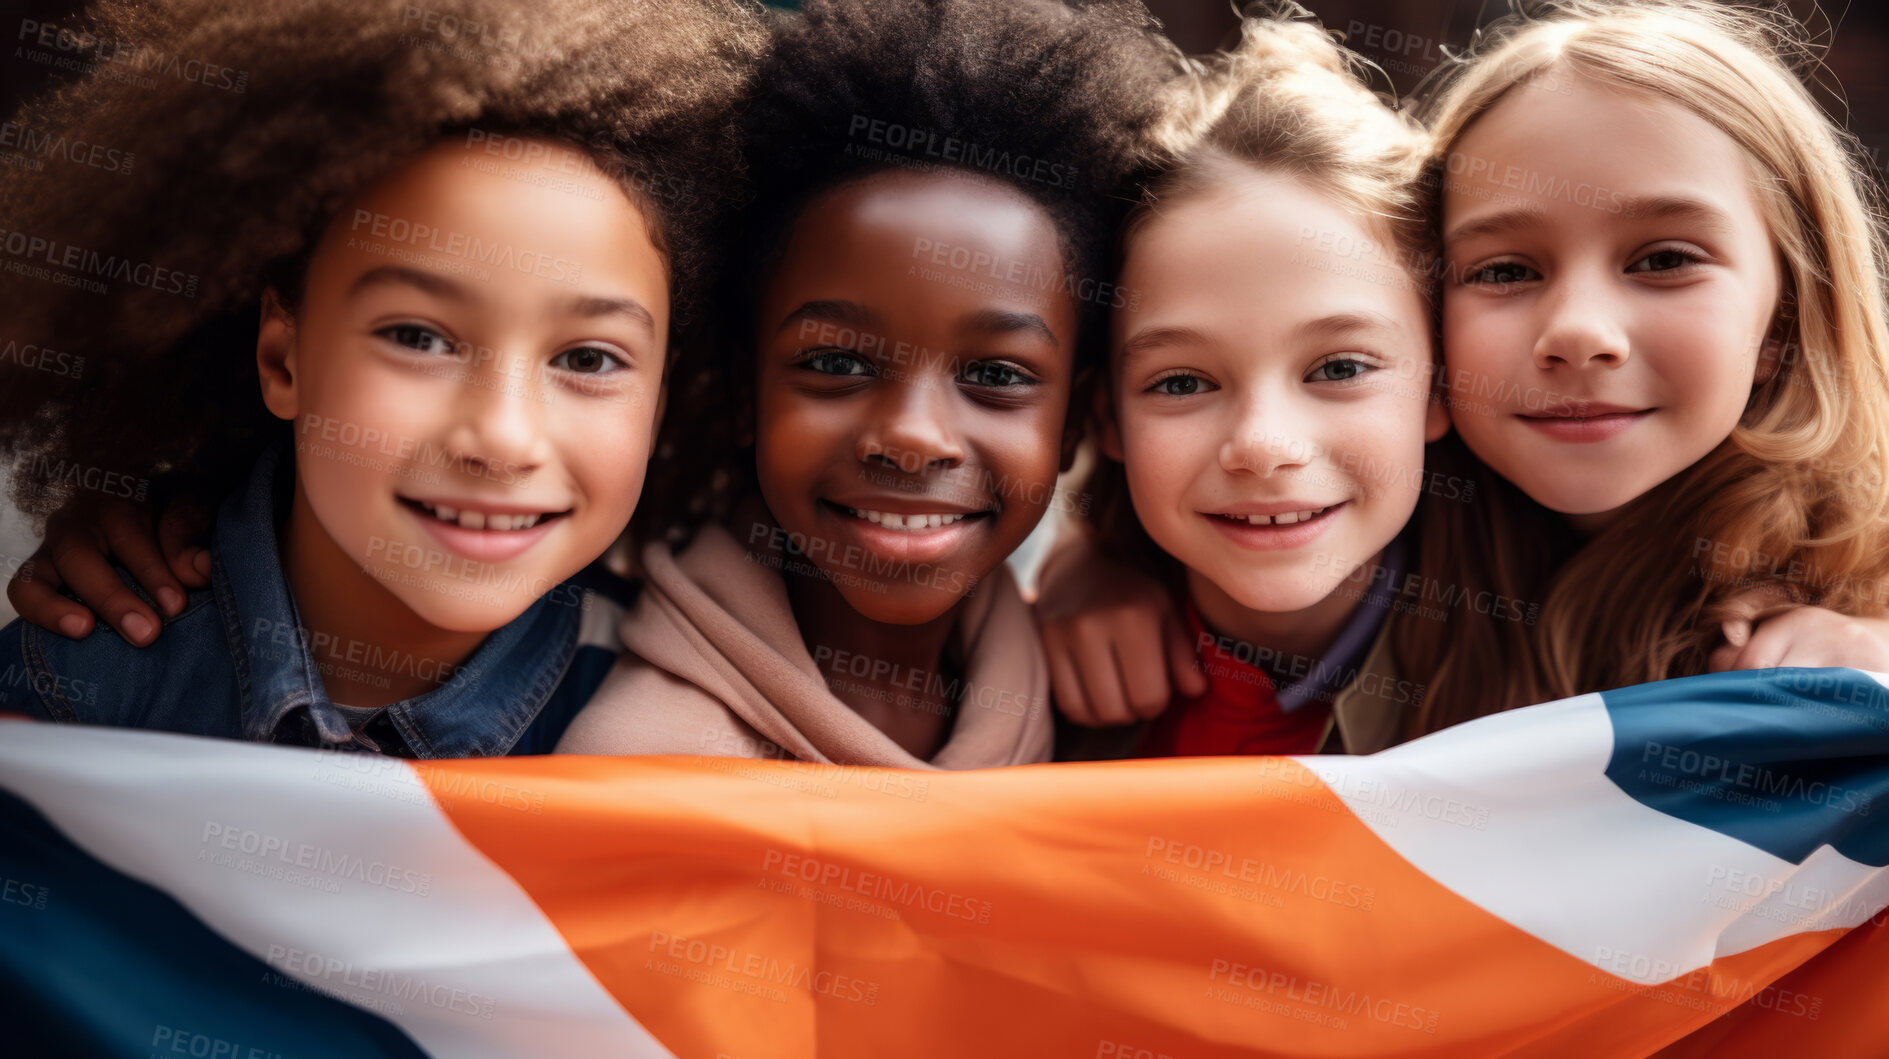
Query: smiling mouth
{"points": [[892, 520], [1284, 518], [479, 520]]}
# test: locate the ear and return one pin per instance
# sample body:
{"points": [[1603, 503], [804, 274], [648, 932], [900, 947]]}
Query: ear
{"points": [[1108, 429], [1074, 426], [275, 358], [1771, 354], [1436, 413], [662, 406]]}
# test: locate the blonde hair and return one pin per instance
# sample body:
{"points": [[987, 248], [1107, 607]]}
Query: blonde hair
{"points": [[1796, 496]]}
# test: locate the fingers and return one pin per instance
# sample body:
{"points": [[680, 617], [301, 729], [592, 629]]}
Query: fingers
{"points": [[87, 572], [183, 533], [1723, 658], [128, 532], [34, 593], [1183, 660], [1101, 680], [1144, 675], [1064, 684]]}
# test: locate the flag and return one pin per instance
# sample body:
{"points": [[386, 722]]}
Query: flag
{"points": [[1696, 865]]}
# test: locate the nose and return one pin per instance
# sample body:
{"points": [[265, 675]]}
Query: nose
{"points": [[499, 419], [1581, 325], [913, 428], [1268, 435]]}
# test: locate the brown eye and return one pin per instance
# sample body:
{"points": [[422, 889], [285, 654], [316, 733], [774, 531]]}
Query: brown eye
{"points": [[416, 337], [587, 360], [836, 362], [994, 374], [1501, 272]]}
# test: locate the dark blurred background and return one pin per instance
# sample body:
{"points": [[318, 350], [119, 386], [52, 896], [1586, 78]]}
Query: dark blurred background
{"points": [[1404, 37], [1407, 38]]}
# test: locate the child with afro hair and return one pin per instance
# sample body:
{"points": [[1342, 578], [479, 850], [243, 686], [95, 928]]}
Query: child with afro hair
{"points": [[922, 271], [453, 247]]}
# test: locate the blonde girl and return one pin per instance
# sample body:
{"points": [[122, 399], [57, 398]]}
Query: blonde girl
{"points": [[1665, 328], [1664, 332]]}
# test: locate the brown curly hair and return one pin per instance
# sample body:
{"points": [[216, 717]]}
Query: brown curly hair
{"points": [[224, 184], [1078, 85]]}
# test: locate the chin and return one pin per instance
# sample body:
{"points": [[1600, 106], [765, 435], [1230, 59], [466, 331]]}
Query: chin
{"points": [[902, 603], [1577, 501], [1282, 595], [463, 608]]}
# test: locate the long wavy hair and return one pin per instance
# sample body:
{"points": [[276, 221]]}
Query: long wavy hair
{"points": [[1795, 498]]}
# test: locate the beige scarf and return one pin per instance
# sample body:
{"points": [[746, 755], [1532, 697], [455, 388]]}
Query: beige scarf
{"points": [[716, 665]]}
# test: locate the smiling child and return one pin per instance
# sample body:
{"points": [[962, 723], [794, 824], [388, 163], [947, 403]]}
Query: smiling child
{"points": [[927, 244], [465, 273]]}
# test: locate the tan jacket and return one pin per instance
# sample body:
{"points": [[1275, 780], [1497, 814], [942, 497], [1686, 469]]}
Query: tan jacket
{"points": [[716, 665], [1368, 715]]}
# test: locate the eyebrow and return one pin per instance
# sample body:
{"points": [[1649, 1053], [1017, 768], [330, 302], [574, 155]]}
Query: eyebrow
{"points": [[1008, 322], [1500, 223], [1649, 207], [830, 310], [1338, 324], [1673, 207], [398, 275], [584, 305], [591, 305], [1156, 337]]}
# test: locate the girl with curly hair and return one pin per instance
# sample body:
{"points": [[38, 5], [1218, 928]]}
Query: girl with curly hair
{"points": [[926, 263], [470, 235]]}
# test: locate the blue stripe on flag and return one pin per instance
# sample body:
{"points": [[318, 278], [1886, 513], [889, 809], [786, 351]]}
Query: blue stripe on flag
{"points": [[1787, 760], [93, 962]]}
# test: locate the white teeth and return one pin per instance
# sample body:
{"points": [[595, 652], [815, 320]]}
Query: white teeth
{"points": [[477, 520], [892, 520], [1287, 518]]}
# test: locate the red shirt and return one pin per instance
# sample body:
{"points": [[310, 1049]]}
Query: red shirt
{"points": [[1239, 714]]}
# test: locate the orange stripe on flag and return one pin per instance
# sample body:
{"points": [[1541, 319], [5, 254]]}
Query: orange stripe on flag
{"points": [[1211, 907]]}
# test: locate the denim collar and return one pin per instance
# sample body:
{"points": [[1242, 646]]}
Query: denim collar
{"points": [[481, 711]]}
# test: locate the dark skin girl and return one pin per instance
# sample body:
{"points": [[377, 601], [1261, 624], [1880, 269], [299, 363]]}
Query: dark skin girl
{"points": [[914, 362]]}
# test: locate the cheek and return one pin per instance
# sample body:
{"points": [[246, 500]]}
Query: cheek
{"points": [[606, 452], [1478, 337], [1164, 455]]}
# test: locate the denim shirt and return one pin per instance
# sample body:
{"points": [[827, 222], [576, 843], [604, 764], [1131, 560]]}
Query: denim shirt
{"points": [[236, 663]]}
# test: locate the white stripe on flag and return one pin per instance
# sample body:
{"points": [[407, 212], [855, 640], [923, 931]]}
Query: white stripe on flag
{"points": [[1515, 813], [287, 873]]}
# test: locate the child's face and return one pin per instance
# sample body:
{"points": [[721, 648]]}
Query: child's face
{"points": [[1278, 365], [915, 355], [479, 346], [1609, 292]]}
